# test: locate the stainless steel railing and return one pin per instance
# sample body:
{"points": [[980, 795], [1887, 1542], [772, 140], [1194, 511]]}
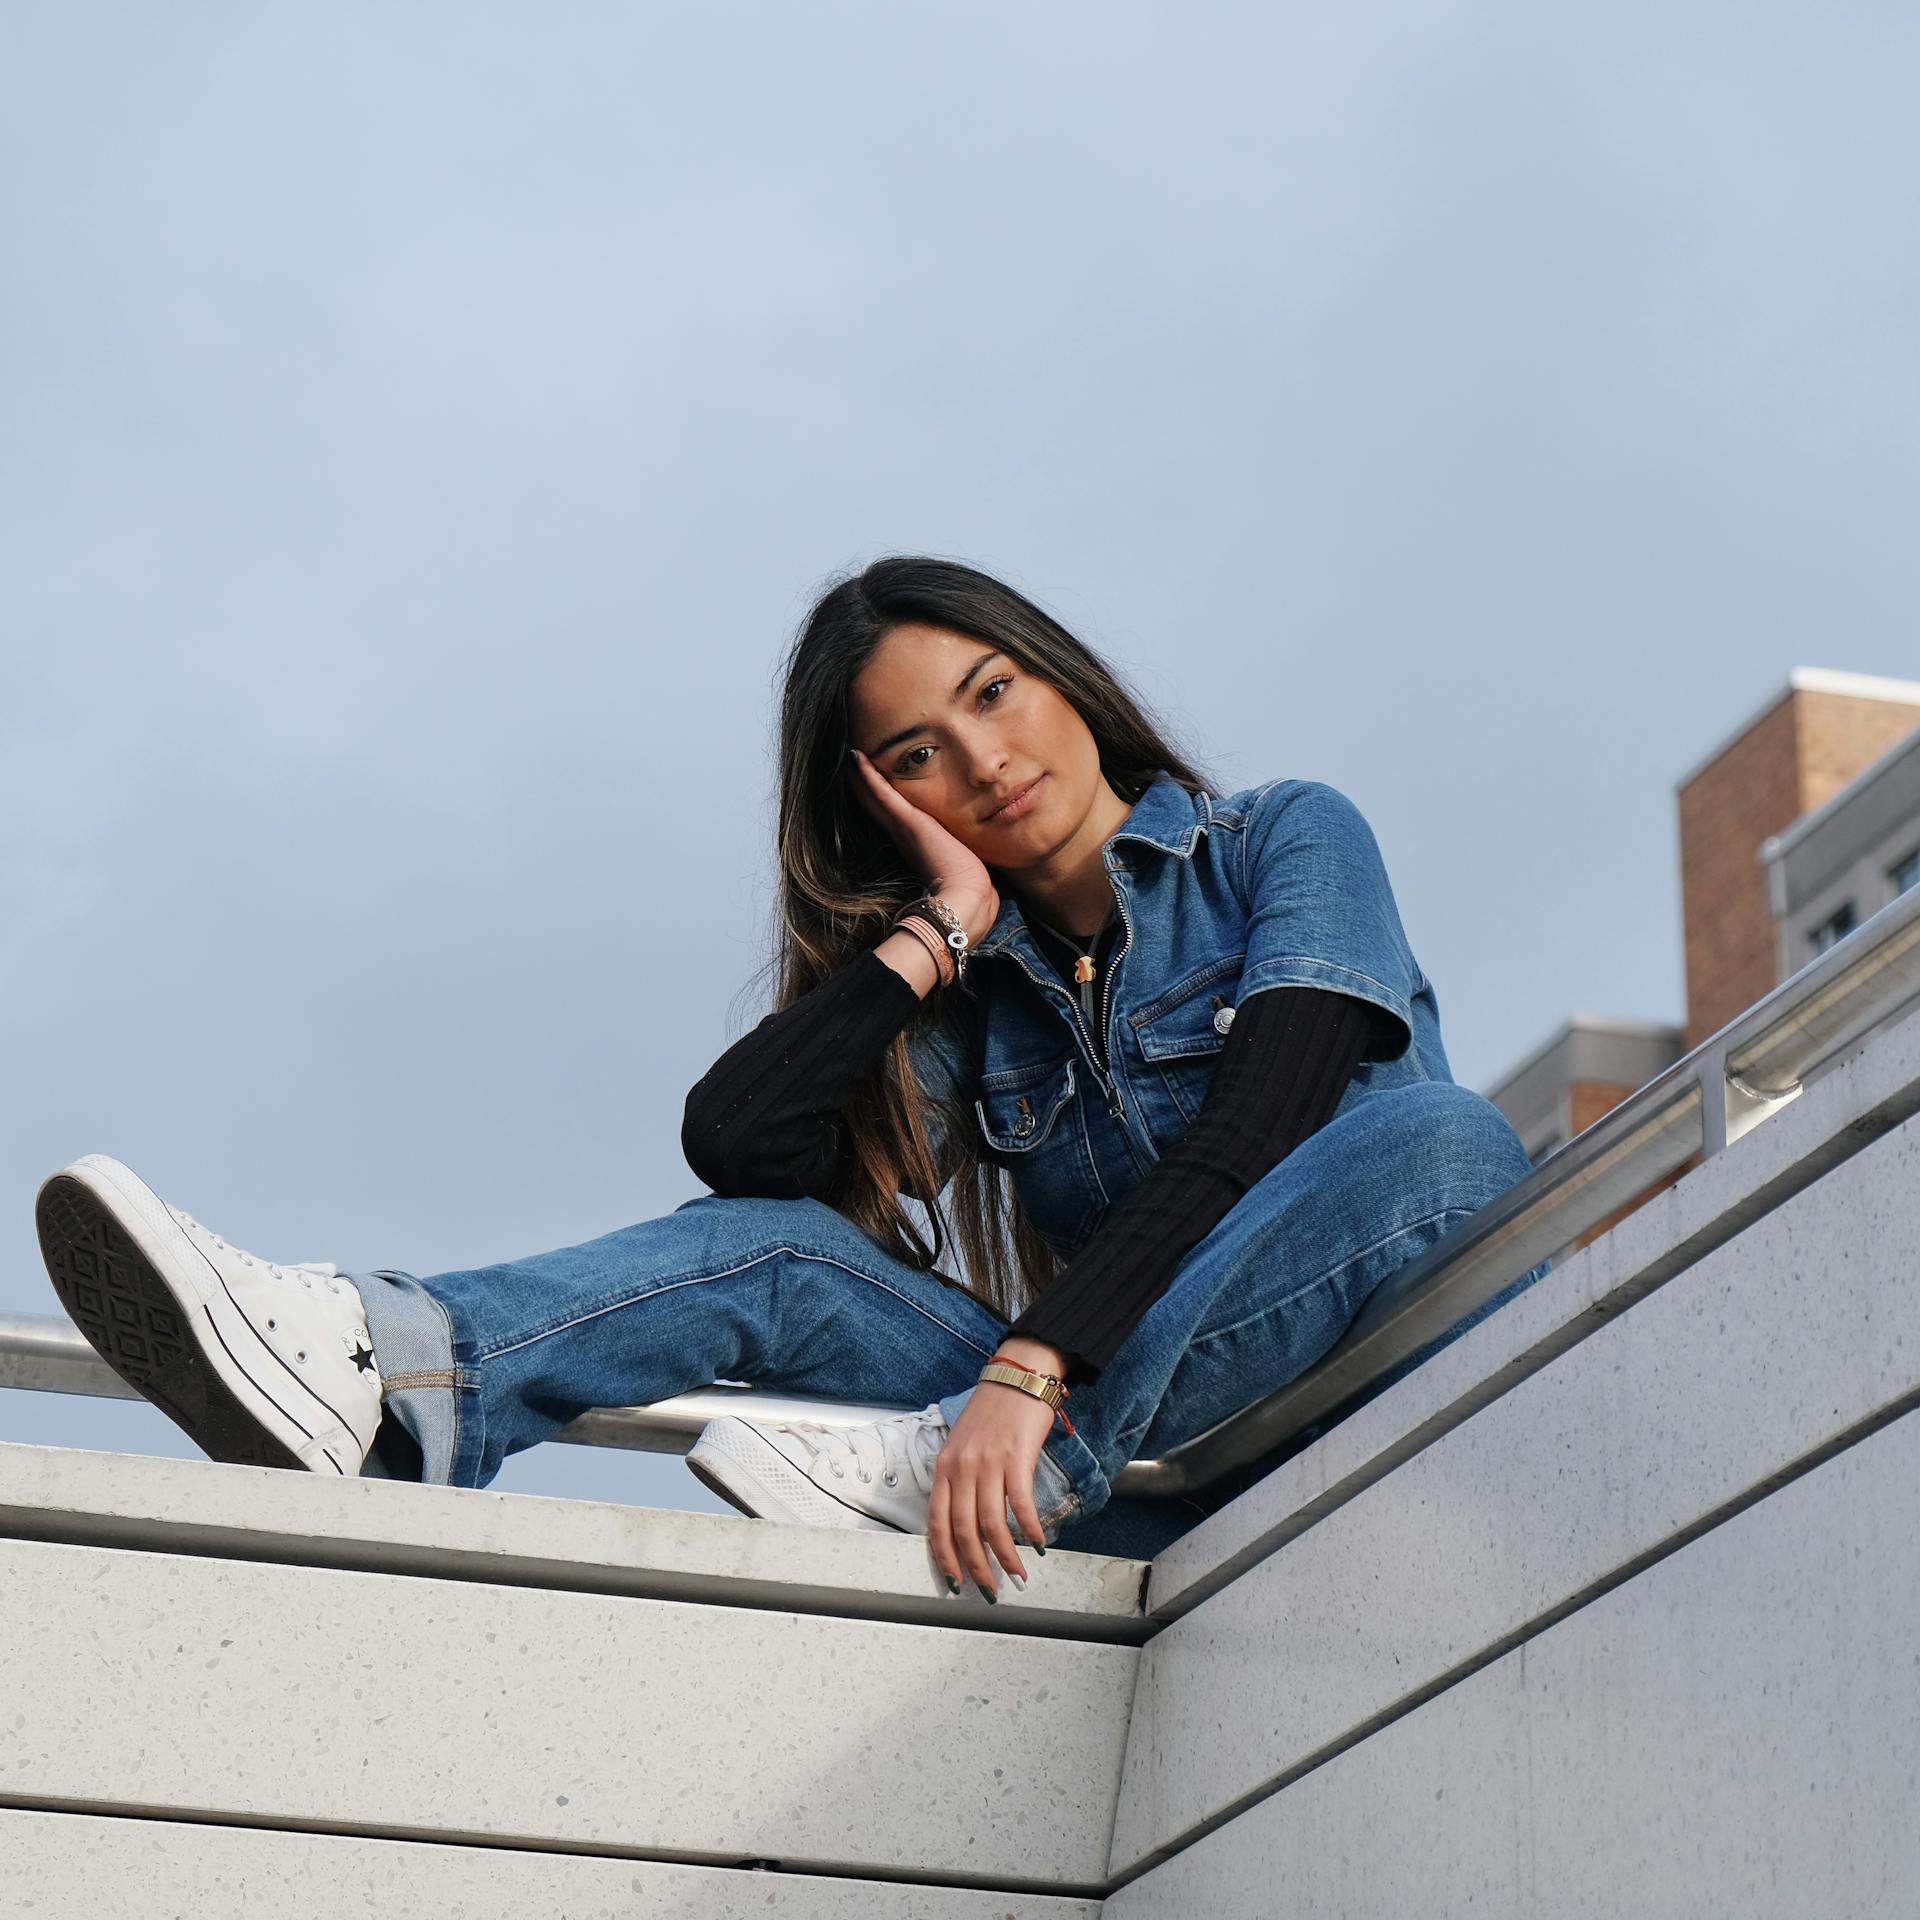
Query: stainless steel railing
{"points": [[1726, 1086]]}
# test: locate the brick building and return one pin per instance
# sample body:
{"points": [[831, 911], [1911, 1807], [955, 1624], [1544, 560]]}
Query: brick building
{"points": [[1800, 825]]}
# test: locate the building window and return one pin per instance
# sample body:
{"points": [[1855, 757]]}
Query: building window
{"points": [[1833, 930], [1904, 873]]}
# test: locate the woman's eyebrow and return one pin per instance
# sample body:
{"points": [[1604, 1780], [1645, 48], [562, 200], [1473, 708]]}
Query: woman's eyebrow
{"points": [[907, 733]]}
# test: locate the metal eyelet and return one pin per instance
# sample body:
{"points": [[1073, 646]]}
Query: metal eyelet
{"points": [[299, 1356], [867, 1477], [271, 1324], [839, 1471], [893, 1479]]}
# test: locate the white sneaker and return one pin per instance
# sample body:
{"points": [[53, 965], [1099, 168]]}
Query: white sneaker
{"points": [[258, 1364], [878, 1477]]}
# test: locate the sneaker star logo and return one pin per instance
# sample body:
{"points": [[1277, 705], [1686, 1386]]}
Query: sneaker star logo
{"points": [[360, 1351]]}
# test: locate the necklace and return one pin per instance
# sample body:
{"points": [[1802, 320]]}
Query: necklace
{"points": [[1084, 968], [1084, 965]]}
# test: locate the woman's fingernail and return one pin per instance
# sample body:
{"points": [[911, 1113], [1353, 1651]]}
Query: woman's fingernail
{"points": [[1019, 1580], [953, 1585], [1038, 1548], [987, 1593]]}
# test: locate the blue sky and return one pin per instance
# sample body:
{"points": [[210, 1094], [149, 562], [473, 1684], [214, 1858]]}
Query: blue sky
{"points": [[421, 429]]}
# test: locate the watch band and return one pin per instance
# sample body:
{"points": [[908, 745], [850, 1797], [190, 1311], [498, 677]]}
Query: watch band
{"points": [[1043, 1386]]}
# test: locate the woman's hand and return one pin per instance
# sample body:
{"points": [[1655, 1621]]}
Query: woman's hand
{"points": [[988, 1462], [951, 869]]}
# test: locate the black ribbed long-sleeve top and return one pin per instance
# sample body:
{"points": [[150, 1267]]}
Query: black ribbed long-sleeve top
{"points": [[766, 1118]]}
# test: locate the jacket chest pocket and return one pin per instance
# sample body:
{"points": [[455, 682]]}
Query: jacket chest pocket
{"points": [[1030, 1120], [1181, 1033]]}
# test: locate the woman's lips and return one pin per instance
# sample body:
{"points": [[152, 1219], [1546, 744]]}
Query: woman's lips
{"points": [[1019, 804]]}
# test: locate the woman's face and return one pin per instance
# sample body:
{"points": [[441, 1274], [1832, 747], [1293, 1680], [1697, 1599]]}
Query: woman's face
{"points": [[958, 728]]}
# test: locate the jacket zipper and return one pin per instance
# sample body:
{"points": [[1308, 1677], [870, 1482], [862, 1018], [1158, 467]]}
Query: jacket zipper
{"points": [[1106, 987], [1116, 1107]]}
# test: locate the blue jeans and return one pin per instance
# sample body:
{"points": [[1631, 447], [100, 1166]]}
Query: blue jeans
{"points": [[788, 1294]]}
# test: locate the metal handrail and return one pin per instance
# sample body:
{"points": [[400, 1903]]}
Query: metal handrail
{"points": [[1726, 1086]]}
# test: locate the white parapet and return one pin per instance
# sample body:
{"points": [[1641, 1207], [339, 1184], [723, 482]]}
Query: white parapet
{"points": [[1730, 1735], [109, 1868], [215, 1645], [1608, 1608], [1751, 1367]]}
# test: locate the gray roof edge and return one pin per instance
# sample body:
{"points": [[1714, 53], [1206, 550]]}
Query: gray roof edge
{"points": [[1577, 1023]]}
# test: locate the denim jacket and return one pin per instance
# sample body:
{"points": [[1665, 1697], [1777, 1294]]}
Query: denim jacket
{"points": [[1280, 885]]}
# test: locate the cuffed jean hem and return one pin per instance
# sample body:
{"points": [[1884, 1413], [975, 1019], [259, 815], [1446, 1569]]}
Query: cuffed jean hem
{"points": [[424, 1389]]}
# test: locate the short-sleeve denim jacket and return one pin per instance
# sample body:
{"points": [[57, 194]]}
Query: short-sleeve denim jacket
{"points": [[1280, 885]]}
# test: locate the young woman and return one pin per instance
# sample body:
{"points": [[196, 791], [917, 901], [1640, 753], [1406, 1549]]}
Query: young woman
{"points": [[1160, 1063]]}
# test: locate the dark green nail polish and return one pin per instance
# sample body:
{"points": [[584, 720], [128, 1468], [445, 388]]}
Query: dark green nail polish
{"points": [[987, 1593], [953, 1585], [1038, 1548]]}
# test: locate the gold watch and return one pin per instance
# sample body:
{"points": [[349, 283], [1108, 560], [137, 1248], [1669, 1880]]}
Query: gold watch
{"points": [[1043, 1386]]}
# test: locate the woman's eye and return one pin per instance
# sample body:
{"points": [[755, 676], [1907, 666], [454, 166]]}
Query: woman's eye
{"points": [[907, 764]]}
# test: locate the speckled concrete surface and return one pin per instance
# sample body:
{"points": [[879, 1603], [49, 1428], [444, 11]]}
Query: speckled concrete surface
{"points": [[394, 1705], [206, 1506], [1778, 1344], [64, 1864], [1733, 1735], [1871, 1091]]}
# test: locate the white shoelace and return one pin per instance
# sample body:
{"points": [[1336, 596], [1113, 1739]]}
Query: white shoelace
{"points": [[880, 1449], [306, 1271]]}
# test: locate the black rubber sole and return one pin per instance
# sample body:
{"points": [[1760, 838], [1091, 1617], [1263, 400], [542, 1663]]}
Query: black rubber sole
{"points": [[142, 1330]]}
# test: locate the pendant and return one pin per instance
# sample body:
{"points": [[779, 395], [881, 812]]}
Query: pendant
{"points": [[1083, 968]]}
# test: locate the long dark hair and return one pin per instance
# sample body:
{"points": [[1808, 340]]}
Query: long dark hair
{"points": [[843, 880]]}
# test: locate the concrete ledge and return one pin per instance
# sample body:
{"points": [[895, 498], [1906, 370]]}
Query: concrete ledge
{"points": [[1782, 1346], [390, 1707], [1854, 1103], [113, 1869], [527, 1540], [1730, 1736]]}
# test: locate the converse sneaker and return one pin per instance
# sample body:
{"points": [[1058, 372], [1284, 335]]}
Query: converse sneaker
{"points": [[259, 1364], [878, 1477]]}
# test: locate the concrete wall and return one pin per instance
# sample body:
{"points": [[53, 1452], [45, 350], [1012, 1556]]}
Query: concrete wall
{"points": [[1638, 1634], [1609, 1608], [1732, 1733], [120, 1869]]}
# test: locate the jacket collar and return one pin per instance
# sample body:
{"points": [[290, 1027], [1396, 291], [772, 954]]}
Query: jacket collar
{"points": [[1166, 816]]}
